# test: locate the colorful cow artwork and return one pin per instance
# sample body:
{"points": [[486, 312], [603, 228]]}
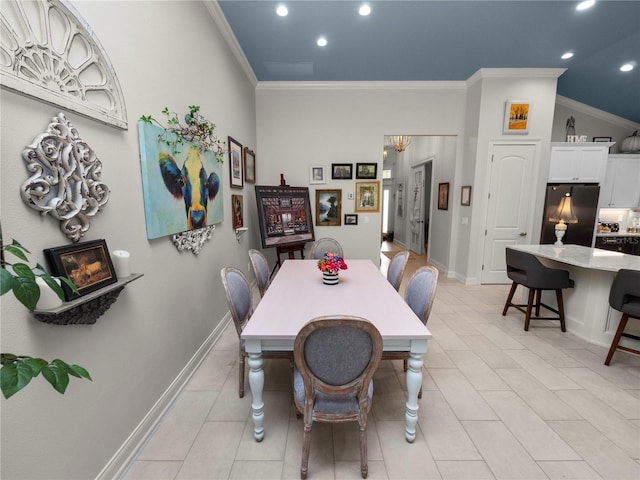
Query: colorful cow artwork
{"points": [[190, 175]]}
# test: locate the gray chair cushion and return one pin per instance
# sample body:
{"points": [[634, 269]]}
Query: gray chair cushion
{"points": [[624, 295], [525, 269]]}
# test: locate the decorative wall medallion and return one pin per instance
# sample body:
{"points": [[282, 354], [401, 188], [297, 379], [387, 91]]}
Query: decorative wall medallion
{"points": [[193, 240], [65, 178], [49, 52]]}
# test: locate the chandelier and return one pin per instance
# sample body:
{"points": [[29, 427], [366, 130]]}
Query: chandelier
{"points": [[400, 142]]}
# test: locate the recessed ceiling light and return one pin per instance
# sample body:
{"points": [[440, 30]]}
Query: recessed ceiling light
{"points": [[364, 10], [567, 55], [627, 67], [322, 42], [586, 4], [282, 11]]}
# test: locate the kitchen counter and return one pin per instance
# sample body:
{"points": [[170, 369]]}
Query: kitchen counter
{"points": [[587, 311]]}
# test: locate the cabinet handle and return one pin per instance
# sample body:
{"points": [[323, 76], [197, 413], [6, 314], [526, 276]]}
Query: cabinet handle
{"points": [[523, 234]]}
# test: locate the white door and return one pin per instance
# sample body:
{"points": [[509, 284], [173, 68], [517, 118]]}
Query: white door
{"points": [[416, 212], [508, 207]]}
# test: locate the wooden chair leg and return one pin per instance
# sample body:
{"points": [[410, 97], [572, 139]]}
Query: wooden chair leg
{"points": [[514, 285], [241, 373], [561, 309], [538, 301], [306, 446], [616, 338], [364, 467], [530, 300]]}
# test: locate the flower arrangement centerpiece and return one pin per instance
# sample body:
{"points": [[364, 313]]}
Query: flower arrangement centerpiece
{"points": [[330, 265]]}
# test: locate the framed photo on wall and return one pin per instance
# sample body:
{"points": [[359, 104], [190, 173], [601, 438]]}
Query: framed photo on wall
{"points": [[249, 165], [237, 208], [350, 218], [341, 171], [236, 175], [367, 197], [516, 117], [88, 265], [465, 196], [443, 196], [368, 171], [328, 207], [316, 174]]}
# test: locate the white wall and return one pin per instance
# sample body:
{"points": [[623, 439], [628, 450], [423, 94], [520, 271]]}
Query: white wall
{"points": [[165, 54]]}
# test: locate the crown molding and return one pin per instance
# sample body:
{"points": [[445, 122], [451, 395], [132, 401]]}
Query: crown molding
{"points": [[417, 85], [221, 22], [596, 112], [514, 73]]}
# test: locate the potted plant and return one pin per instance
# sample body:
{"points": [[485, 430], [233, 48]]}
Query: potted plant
{"points": [[21, 279]]}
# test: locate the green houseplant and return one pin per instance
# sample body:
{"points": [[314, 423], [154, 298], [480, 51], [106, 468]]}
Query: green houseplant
{"points": [[18, 370]]}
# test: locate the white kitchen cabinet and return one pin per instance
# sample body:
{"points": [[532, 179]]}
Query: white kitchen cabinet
{"points": [[578, 162], [621, 186]]}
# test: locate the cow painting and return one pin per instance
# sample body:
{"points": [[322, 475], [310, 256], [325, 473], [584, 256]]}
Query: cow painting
{"points": [[182, 188], [191, 184]]}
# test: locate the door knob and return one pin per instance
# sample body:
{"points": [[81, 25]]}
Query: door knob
{"points": [[523, 234]]}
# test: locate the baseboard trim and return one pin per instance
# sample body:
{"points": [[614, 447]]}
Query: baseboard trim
{"points": [[122, 459]]}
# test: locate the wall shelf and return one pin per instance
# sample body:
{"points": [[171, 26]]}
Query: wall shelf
{"points": [[87, 309]]}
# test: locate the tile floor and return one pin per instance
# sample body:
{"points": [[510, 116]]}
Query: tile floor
{"points": [[498, 402]]}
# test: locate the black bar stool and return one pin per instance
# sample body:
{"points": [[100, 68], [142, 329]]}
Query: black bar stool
{"points": [[526, 270], [624, 297]]}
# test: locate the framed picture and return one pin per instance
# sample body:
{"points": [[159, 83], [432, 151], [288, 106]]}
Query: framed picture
{"points": [[316, 174], [328, 207], [465, 196], [400, 200], [88, 265], [350, 218], [284, 214], [443, 196], [236, 175], [516, 117], [367, 171], [341, 171], [249, 165], [237, 210], [601, 139], [367, 197]]}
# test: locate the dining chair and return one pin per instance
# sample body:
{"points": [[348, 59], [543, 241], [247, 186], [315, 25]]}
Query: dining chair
{"points": [[396, 268], [324, 245], [419, 295], [624, 296], [335, 359], [260, 269], [525, 269], [238, 293]]}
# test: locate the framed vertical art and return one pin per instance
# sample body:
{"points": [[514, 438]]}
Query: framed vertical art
{"points": [[237, 209], [465, 196], [249, 165], [328, 207], [236, 175], [516, 117], [443, 196], [367, 196], [316, 174]]}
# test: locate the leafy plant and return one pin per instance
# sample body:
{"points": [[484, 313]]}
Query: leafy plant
{"points": [[197, 130], [18, 370]]}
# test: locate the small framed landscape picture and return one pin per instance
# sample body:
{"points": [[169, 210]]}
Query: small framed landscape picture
{"points": [[88, 265], [236, 176], [366, 171], [249, 166], [328, 207], [341, 171], [516, 117], [350, 218], [316, 174]]}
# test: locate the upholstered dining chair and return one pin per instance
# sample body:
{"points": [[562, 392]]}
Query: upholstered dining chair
{"points": [[238, 292], [624, 296], [419, 295], [324, 245], [260, 269], [396, 268], [335, 358], [525, 269]]}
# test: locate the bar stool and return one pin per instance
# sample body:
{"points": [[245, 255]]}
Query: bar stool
{"points": [[526, 270], [624, 296]]}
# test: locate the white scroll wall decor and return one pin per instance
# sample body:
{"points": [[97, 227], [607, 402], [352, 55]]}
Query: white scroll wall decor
{"points": [[65, 178], [49, 52]]}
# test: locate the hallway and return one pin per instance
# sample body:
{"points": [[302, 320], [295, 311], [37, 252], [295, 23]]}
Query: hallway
{"points": [[498, 403]]}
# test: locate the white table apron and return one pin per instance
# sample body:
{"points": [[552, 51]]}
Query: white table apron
{"points": [[297, 295]]}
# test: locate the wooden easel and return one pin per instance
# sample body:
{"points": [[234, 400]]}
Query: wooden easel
{"points": [[291, 249]]}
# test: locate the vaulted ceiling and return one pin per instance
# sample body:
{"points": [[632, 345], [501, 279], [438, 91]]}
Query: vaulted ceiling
{"points": [[446, 40]]}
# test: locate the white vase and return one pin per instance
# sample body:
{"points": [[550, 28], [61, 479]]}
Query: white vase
{"points": [[329, 278]]}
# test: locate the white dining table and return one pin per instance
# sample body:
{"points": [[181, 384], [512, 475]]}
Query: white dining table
{"points": [[296, 295]]}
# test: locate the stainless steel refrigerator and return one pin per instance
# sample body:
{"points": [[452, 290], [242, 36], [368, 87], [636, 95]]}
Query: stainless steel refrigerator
{"points": [[585, 207]]}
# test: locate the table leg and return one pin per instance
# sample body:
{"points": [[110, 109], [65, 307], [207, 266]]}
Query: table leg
{"points": [[256, 381], [414, 382]]}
